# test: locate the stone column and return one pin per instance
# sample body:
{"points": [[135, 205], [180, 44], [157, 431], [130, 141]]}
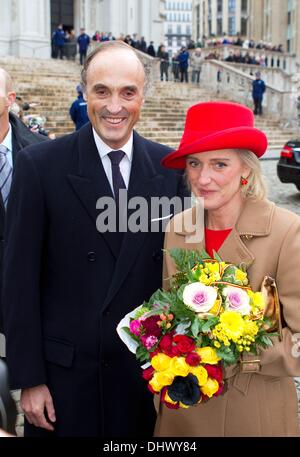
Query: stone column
{"points": [[30, 28], [5, 29]]}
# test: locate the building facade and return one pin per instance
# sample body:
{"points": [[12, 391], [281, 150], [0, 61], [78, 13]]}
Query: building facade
{"points": [[178, 24], [271, 21], [278, 22], [220, 17], [27, 25]]}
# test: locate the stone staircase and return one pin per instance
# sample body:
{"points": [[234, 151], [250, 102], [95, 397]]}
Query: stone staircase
{"points": [[52, 83]]}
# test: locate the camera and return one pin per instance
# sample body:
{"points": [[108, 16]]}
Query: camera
{"points": [[8, 411]]}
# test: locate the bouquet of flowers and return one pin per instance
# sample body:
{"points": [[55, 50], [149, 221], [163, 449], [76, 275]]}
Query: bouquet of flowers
{"points": [[186, 335]]}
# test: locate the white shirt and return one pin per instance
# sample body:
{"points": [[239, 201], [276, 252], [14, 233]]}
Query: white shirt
{"points": [[125, 164], [7, 142]]}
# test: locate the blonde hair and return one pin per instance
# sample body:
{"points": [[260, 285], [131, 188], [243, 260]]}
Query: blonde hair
{"points": [[256, 186]]}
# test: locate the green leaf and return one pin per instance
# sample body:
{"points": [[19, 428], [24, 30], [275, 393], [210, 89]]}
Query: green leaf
{"points": [[228, 355], [216, 256], [142, 354], [195, 327], [211, 322]]}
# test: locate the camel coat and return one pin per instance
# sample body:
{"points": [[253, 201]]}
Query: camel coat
{"points": [[262, 402]]}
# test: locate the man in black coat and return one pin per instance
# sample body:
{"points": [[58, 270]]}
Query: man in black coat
{"points": [[14, 135], [67, 283]]}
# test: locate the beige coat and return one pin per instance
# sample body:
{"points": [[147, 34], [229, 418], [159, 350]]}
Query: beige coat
{"points": [[264, 402]]}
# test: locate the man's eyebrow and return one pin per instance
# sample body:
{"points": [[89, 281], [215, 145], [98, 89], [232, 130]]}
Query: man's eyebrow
{"points": [[98, 86]]}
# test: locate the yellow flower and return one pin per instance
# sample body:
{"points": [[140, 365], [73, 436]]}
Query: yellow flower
{"points": [[210, 388], [216, 308], [161, 379], [232, 323], [161, 362], [258, 300], [241, 276], [208, 355], [203, 278], [201, 374], [179, 367], [250, 328]]}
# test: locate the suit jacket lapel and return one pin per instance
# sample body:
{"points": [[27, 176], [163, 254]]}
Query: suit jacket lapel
{"points": [[144, 182], [90, 181]]}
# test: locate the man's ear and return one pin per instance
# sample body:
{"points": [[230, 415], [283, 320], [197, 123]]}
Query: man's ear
{"points": [[11, 98]]}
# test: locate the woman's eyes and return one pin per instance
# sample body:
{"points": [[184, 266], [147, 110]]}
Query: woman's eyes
{"points": [[220, 165], [196, 164], [193, 163]]}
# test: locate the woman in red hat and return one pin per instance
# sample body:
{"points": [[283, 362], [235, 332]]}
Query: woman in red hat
{"points": [[219, 151]]}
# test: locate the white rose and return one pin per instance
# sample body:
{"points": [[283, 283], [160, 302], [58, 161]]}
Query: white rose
{"points": [[199, 298], [237, 300]]}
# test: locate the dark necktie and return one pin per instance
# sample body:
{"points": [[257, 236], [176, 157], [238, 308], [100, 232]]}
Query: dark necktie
{"points": [[118, 181], [118, 184], [5, 174]]}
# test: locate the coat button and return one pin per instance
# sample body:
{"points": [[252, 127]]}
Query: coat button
{"points": [[91, 256], [157, 256], [105, 363]]}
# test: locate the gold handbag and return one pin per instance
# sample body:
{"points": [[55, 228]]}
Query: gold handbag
{"points": [[250, 363], [272, 310]]}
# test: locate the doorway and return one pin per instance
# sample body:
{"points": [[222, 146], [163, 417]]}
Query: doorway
{"points": [[62, 12]]}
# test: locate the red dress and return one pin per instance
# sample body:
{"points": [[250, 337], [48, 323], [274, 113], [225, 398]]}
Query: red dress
{"points": [[214, 239]]}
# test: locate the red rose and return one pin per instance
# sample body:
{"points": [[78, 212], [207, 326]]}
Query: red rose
{"points": [[150, 327], [215, 372], [165, 345], [219, 391], [193, 359], [151, 389], [148, 373], [183, 344]]}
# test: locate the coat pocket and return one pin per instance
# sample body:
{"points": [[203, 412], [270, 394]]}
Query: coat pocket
{"points": [[59, 352]]}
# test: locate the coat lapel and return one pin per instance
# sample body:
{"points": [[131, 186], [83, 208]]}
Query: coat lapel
{"points": [[234, 248], [90, 181], [144, 182]]}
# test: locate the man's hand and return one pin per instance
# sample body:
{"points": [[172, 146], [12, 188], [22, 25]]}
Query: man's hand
{"points": [[34, 401]]}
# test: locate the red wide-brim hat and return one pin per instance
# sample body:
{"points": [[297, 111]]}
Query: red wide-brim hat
{"points": [[212, 126]]}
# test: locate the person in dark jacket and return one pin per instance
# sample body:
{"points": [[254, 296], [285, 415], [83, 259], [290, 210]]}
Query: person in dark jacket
{"points": [[258, 90], [14, 136], [183, 59], [164, 63], [69, 278], [151, 50], [78, 110], [83, 41], [58, 42]]}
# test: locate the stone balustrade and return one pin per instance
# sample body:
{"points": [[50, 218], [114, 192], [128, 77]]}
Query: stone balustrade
{"points": [[236, 85], [274, 59]]}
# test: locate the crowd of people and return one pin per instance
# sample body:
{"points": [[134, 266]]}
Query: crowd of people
{"points": [[244, 43]]}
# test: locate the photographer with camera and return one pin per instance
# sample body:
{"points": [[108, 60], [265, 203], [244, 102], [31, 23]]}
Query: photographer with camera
{"points": [[8, 411], [14, 136]]}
